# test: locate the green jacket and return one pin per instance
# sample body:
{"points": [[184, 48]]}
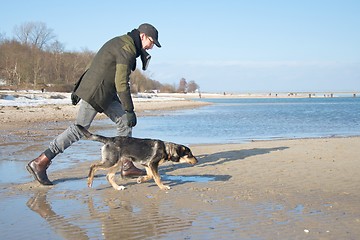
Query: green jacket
{"points": [[109, 74]]}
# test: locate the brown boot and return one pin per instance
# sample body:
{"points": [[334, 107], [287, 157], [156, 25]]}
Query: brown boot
{"points": [[37, 168], [130, 171]]}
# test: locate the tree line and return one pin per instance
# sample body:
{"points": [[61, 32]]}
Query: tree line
{"points": [[34, 59]]}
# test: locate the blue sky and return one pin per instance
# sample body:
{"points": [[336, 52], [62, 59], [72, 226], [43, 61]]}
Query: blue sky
{"points": [[231, 46]]}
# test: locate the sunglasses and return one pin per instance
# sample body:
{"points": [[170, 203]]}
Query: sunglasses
{"points": [[151, 40]]}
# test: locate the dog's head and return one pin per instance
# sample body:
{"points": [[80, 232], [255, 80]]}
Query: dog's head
{"points": [[182, 154]]}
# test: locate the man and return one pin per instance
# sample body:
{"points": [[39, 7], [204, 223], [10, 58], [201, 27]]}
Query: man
{"points": [[104, 88]]}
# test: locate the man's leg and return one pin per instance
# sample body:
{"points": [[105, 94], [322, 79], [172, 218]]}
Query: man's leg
{"points": [[117, 114], [38, 166], [85, 116]]}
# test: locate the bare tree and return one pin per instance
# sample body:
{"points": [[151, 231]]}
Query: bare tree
{"points": [[38, 36], [13, 62], [56, 50], [137, 80], [192, 86], [182, 85], [35, 34], [35, 59]]}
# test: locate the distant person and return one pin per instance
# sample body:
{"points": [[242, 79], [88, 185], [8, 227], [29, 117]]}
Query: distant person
{"points": [[104, 88]]}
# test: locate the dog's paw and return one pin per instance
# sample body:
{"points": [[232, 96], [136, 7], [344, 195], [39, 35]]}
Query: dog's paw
{"points": [[120, 188], [139, 180], [143, 179], [165, 187]]}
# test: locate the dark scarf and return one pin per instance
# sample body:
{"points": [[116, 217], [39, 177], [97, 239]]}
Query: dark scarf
{"points": [[145, 57], [135, 35]]}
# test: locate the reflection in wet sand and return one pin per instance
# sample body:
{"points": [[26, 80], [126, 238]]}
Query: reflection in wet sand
{"points": [[109, 218], [62, 226], [122, 219]]}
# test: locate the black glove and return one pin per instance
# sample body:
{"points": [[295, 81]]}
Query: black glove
{"points": [[131, 117], [128, 106]]}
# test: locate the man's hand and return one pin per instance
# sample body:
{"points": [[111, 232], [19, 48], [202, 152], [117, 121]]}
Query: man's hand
{"points": [[131, 117]]}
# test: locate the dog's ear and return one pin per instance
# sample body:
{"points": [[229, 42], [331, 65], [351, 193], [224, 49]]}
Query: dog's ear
{"points": [[180, 150], [184, 151], [175, 153], [175, 156]]}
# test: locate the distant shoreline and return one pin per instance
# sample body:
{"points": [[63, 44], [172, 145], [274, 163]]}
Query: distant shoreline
{"points": [[196, 95], [263, 95], [22, 108]]}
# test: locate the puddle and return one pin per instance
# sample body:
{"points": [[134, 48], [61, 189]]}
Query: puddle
{"points": [[13, 172], [71, 185], [202, 179], [298, 209]]}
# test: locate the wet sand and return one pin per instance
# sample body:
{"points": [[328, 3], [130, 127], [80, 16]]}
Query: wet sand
{"points": [[285, 189]]}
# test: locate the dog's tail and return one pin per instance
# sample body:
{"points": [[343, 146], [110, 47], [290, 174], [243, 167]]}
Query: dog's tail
{"points": [[91, 136]]}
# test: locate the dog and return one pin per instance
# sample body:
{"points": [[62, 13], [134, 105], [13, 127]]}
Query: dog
{"points": [[149, 152]]}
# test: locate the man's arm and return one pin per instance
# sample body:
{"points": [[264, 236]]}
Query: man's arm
{"points": [[122, 79]]}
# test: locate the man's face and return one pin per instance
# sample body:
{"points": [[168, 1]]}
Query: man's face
{"points": [[147, 42]]}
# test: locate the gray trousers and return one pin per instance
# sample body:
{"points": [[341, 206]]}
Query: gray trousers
{"points": [[85, 116]]}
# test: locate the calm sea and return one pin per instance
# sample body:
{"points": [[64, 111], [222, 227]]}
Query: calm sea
{"points": [[242, 120]]}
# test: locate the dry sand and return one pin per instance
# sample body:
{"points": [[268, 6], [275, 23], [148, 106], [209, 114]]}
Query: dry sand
{"points": [[285, 189]]}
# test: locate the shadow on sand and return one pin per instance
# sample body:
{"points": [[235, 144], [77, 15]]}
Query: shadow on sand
{"points": [[212, 160], [234, 155]]}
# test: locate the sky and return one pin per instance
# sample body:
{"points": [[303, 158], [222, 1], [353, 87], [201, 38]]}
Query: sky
{"points": [[224, 46]]}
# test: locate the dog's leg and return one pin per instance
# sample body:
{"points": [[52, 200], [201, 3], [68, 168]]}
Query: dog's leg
{"points": [[153, 167], [111, 177], [94, 167], [146, 178], [92, 171]]}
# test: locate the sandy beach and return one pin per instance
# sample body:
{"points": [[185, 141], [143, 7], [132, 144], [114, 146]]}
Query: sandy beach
{"points": [[283, 189]]}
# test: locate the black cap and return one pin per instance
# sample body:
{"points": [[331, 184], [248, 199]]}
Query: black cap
{"points": [[150, 31]]}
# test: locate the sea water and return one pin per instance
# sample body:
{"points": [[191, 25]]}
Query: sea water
{"points": [[242, 120]]}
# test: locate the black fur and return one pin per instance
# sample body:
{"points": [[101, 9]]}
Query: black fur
{"points": [[149, 152]]}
